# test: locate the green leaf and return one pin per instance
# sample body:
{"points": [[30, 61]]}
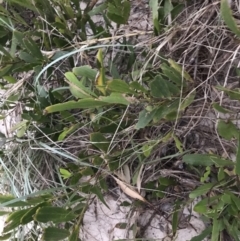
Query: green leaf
{"points": [[75, 233], [19, 125], [14, 220], [115, 98], [221, 174], [87, 171], [220, 109], [188, 100], [175, 219], [55, 234], [237, 169], [235, 200], [10, 79], [98, 140], [87, 103], [233, 94], [206, 174], [226, 14], [227, 130], [85, 71], [136, 86], [53, 214], [28, 58], [161, 88], [180, 70], [204, 234], [206, 160], [154, 8], [203, 189], [178, 143], [96, 190], [173, 75], [119, 86], [119, 11], [77, 88], [65, 173], [33, 48], [147, 149], [67, 131], [144, 118], [28, 216], [216, 229], [5, 70], [202, 207]]}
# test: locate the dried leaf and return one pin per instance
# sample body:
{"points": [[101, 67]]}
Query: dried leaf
{"points": [[129, 191]]}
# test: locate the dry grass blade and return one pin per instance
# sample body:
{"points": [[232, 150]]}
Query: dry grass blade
{"points": [[130, 191]]}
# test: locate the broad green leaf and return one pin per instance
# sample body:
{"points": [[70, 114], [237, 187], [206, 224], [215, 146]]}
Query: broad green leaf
{"points": [[216, 229], [144, 118], [96, 190], [202, 207], [33, 48], [161, 88], [220, 109], [19, 125], [65, 173], [87, 171], [237, 170], [227, 16], [14, 219], [204, 234], [77, 88], [147, 149], [173, 75], [180, 70], [10, 79], [85, 71], [119, 11], [28, 216], [168, 7], [206, 174], [87, 103], [136, 86], [119, 86], [233, 94], [206, 160], [203, 189], [53, 214], [226, 198], [154, 8], [28, 58], [235, 200], [165, 109], [187, 100], [221, 174], [6, 70], [21, 131], [55, 234], [115, 98], [98, 140], [227, 130]]}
